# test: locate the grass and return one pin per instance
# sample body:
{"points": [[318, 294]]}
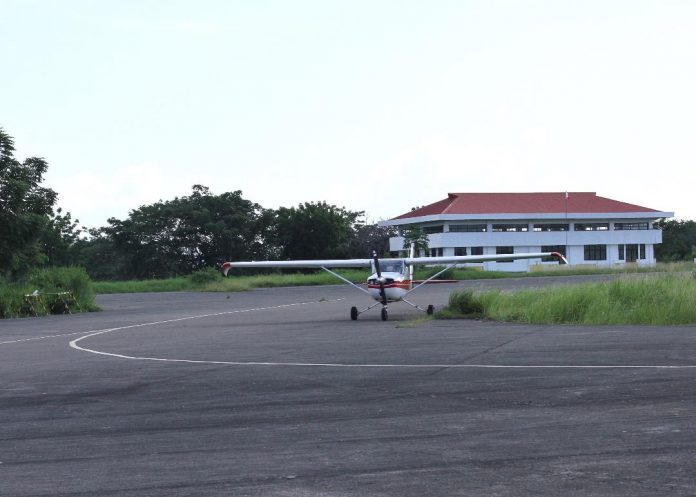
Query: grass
{"points": [[210, 280], [49, 287], [233, 283], [668, 299]]}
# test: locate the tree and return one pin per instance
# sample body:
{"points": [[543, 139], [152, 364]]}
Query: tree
{"points": [[175, 237], [369, 237], [678, 240], [415, 236], [59, 239], [24, 209], [313, 231]]}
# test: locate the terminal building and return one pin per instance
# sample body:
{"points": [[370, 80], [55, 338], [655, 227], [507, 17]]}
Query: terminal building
{"points": [[586, 228]]}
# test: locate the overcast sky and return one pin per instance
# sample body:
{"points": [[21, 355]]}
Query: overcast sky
{"points": [[371, 105]]}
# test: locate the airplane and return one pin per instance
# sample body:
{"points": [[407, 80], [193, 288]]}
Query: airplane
{"points": [[391, 279]]}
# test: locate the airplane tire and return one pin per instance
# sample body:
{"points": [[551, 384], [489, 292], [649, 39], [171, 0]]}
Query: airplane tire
{"points": [[430, 310], [353, 313], [385, 314]]}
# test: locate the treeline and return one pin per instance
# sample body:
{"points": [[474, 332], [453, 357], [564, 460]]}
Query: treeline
{"points": [[180, 236], [678, 241], [167, 238]]}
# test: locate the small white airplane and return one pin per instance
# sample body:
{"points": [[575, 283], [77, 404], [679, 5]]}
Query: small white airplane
{"points": [[391, 279]]}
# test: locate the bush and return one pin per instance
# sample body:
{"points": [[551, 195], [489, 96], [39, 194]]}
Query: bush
{"points": [[465, 303], [49, 284], [204, 276]]}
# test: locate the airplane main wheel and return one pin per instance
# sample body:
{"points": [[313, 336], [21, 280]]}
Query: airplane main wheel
{"points": [[430, 310], [385, 314], [353, 313]]}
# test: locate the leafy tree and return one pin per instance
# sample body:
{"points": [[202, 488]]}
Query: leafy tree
{"points": [[183, 235], [24, 209], [59, 239], [369, 237], [314, 231], [99, 256], [415, 236], [678, 240]]}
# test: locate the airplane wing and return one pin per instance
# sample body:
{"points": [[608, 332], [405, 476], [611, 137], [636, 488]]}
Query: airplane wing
{"points": [[339, 263], [326, 263]]}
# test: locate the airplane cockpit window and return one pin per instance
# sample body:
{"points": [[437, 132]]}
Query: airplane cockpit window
{"points": [[391, 266]]}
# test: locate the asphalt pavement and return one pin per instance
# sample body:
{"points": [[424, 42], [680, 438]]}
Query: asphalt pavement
{"points": [[277, 393]]}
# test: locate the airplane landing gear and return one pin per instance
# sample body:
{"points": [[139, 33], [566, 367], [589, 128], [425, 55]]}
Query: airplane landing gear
{"points": [[385, 314], [430, 310], [353, 313]]}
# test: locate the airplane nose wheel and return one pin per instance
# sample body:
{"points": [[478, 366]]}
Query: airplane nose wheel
{"points": [[385, 314], [430, 310], [353, 313]]}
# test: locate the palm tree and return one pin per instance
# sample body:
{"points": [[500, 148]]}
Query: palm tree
{"points": [[415, 237]]}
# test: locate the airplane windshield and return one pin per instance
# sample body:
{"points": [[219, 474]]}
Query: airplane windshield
{"points": [[391, 266]]}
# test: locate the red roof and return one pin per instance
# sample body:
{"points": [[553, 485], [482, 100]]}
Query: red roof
{"points": [[523, 203]]}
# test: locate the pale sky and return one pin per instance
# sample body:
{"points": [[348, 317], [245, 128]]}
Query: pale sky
{"points": [[370, 105]]}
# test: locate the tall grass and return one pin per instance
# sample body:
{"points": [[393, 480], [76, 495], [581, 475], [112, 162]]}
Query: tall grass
{"points": [[208, 281], [663, 300], [212, 281], [50, 286]]}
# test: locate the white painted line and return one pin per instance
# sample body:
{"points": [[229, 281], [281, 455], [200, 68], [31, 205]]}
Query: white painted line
{"points": [[97, 332], [43, 337], [74, 345]]}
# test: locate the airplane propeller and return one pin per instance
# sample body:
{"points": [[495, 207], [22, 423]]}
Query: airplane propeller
{"points": [[382, 293]]}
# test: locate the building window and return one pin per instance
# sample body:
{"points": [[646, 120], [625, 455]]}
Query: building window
{"points": [[550, 227], [632, 252], [436, 252], [459, 251], [631, 226], [476, 250], [467, 228], [510, 228], [561, 249], [622, 252], [642, 251], [591, 227], [429, 230], [595, 252], [504, 250]]}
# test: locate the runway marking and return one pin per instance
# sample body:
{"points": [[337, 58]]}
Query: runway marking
{"points": [[44, 337], [90, 334], [106, 330]]}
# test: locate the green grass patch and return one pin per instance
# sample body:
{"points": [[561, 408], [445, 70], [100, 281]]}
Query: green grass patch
{"points": [[658, 300], [211, 280], [135, 286], [48, 287]]}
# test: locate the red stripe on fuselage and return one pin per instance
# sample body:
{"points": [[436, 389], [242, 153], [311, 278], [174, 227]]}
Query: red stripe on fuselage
{"points": [[404, 285]]}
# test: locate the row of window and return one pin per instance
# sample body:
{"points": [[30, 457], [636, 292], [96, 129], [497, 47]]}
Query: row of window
{"points": [[628, 252], [517, 228]]}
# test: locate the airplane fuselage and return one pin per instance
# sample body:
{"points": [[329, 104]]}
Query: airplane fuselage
{"points": [[396, 285]]}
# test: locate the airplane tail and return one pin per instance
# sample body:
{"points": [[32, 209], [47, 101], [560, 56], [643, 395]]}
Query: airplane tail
{"points": [[225, 267]]}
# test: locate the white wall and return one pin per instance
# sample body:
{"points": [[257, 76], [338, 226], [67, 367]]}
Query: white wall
{"points": [[532, 241]]}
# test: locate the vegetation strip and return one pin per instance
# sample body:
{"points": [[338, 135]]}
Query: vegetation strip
{"points": [[661, 300]]}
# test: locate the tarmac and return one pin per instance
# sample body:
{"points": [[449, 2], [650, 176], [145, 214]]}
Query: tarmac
{"points": [[277, 392]]}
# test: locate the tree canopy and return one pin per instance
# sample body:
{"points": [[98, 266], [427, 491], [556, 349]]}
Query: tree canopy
{"points": [[24, 209], [179, 236], [313, 231]]}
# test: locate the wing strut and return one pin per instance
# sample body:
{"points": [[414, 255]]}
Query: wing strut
{"points": [[345, 279], [429, 279]]}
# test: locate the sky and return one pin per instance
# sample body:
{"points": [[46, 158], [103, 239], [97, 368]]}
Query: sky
{"points": [[375, 106]]}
